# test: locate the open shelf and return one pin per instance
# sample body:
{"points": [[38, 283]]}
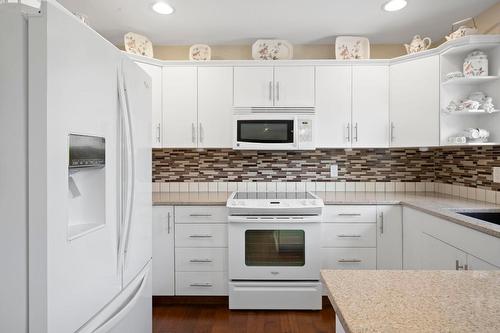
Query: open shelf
{"points": [[468, 113], [471, 144], [469, 80]]}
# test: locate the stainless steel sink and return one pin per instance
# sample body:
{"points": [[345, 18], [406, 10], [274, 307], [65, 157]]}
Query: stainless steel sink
{"points": [[487, 216]]}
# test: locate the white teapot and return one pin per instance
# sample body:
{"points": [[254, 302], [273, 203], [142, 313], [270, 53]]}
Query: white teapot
{"points": [[418, 44]]}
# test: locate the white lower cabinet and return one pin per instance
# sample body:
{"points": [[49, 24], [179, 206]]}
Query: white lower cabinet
{"points": [[163, 251], [433, 243], [201, 250], [389, 237], [201, 283], [349, 258]]}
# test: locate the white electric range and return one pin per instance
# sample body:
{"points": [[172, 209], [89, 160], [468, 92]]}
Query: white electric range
{"points": [[274, 250]]}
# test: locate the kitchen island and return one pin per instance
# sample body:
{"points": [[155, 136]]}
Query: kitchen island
{"points": [[414, 301]]}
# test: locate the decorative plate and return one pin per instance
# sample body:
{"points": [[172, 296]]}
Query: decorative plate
{"points": [[347, 47], [200, 52], [137, 44], [272, 49]]}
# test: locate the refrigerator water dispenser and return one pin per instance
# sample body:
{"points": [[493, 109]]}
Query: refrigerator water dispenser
{"points": [[86, 184]]}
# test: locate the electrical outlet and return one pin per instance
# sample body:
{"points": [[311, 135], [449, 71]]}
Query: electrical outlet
{"points": [[334, 170], [496, 174]]}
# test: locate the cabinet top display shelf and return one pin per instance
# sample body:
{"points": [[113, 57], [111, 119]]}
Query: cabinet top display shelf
{"points": [[459, 45], [470, 80], [469, 113]]}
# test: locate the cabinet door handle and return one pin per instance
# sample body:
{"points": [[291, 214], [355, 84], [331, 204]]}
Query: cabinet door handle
{"points": [[270, 90], [278, 91], [200, 260], [201, 133], [356, 132], [381, 223], [201, 285], [193, 135], [158, 133], [200, 215], [348, 138], [348, 236], [200, 236], [349, 260], [168, 222], [392, 131], [349, 214]]}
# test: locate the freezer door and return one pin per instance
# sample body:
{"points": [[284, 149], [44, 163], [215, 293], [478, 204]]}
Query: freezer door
{"points": [[136, 235], [73, 215]]}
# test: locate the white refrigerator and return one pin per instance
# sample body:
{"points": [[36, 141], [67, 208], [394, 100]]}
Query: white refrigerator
{"points": [[75, 178]]}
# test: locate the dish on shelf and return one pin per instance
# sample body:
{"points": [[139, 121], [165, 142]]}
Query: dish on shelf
{"points": [[200, 52], [137, 44], [475, 102], [454, 75], [272, 49], [463, 30], [476, 64], [347, 48]]}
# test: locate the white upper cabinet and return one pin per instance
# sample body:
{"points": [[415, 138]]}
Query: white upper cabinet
{"points": [[156, 79], [180, 123], [333, 106], [415, 103], [253, 86], [294, 86], [278, 86], [215, 101], [370, 106]]}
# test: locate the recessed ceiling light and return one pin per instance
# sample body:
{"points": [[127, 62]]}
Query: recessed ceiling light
{"points": [[163, 8], [394, 5]]}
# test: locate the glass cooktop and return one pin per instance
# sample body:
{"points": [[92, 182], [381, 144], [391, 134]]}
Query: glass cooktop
{"points": [[273, 195]]}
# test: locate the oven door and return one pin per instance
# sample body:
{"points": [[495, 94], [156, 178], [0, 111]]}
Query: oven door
{"points": [[274, 251], [265, 132]]}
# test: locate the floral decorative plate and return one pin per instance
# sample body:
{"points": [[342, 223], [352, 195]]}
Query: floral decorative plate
{"points": [[272, 49], [352, 48], [137, 44], [200, 52]]}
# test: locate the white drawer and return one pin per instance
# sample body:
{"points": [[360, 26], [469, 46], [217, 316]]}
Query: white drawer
{"points": [[201, 235], [201, 259], [201, 214], [348, 235], [348, 258], [350, 213], [201, 283]]}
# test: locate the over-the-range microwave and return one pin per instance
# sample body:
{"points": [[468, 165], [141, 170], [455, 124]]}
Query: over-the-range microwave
{"points": [[273, 131]]}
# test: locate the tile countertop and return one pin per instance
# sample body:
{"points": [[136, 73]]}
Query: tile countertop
{"points": [[415, 301], [439, 205]]}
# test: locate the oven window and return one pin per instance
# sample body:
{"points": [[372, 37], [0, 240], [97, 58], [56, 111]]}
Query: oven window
{"points": [[274, 248], [265, 131]]}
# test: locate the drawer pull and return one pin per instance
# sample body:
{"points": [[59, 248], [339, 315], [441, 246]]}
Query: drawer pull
{"points": [[349, 214], [349, 236], [201, 285], [348, 260], [200, 215], [200, 260], [200, 236]]}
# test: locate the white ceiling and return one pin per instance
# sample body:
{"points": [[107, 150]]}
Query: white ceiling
{"points": [[299, 21]]}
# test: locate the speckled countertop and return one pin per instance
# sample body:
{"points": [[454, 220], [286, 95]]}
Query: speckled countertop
{"points": [[415, 301], [439, 205]]}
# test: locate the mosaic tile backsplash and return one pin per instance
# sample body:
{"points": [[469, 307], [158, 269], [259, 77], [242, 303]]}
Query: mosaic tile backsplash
{"points": [[227, 165], [466, 166]]}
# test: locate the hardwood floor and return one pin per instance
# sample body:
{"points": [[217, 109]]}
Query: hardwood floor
{"points": [[217, 318]]}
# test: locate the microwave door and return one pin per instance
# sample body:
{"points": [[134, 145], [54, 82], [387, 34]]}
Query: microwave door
{"points": [[266, 131]]}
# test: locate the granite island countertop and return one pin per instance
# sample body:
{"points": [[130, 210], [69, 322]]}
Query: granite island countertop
{"points": [[372, 301], [440, 205]]}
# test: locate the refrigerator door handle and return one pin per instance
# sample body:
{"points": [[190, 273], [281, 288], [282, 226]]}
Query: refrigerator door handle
{"points": [[117, 315], [130, 174]]}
